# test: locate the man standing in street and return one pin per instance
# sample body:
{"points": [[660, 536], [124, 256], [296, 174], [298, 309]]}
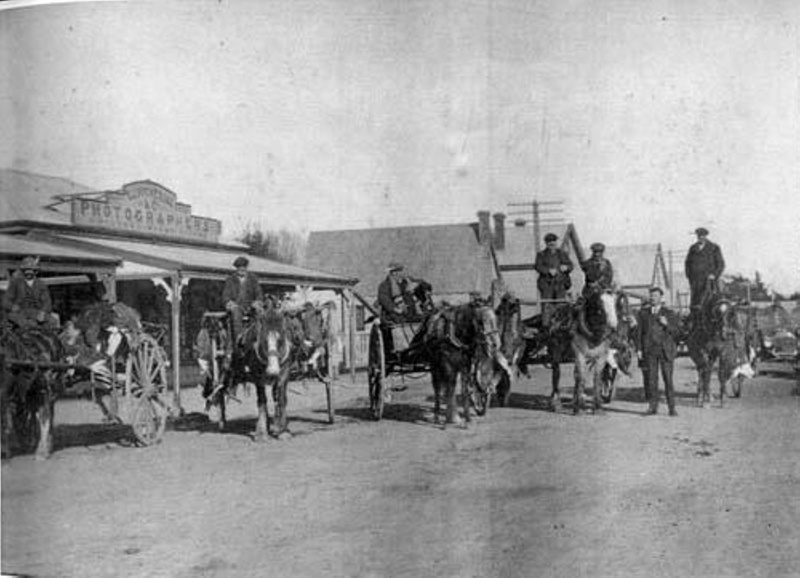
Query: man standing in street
{"points": [[655, 337], [554, 266], [704, 265], [241, 294], [599, 274]]}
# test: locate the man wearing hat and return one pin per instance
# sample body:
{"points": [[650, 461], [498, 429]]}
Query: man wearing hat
{"points": [[27, 300], [393, 295], [554, 266], [599, 274], [241, 294], [655, 337], [704, 265]]}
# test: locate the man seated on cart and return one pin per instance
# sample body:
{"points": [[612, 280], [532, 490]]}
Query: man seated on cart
{"points": [[241, 294], [27, 302], [395, 301]]}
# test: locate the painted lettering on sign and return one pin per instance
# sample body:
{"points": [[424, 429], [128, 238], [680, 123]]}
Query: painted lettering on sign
{"points": [[144, 208]]}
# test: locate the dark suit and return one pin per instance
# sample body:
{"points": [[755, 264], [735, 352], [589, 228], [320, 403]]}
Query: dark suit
{"points": [[552, 286], [656, 342], [393, 299], [700, 263], [599, 274], [242, 293], [27, 303]]}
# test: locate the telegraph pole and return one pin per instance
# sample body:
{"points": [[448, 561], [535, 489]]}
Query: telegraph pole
{"points": [[534, 210]]}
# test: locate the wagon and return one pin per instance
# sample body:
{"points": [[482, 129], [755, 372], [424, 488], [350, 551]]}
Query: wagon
{"points": [[215, 356], [395, 355], [134, 378]]}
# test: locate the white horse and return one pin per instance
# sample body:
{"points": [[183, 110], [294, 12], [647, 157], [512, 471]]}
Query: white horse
{"points": [[591, 343]]}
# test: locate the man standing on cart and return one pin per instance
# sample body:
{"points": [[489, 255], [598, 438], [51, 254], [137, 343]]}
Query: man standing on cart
{"points": [[554, 266], [241, 294]]}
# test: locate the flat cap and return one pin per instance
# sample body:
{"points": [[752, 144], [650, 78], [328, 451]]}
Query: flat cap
{"points": [[394, 266], [241, 262], [598, 247], [550, 237], [30, 264], [656, 288], [701, 231]]}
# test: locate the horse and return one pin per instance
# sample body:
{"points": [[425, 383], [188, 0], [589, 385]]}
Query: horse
{"points": [[490, 375], [274, 346], [452, 338], [30, 381], [717, 338]]}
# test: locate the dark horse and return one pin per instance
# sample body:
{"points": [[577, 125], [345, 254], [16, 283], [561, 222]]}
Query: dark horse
{"points": [[716, 337], [274, 346], [30, 380], [452, 338]]}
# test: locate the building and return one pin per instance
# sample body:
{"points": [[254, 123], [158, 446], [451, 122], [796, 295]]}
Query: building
{"points": [[455, 259], [147, 249], [639, 267]]}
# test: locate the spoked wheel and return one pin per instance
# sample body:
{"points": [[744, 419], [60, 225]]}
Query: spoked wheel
{"points": [[147, 380], [149, 420], [377, 372]]}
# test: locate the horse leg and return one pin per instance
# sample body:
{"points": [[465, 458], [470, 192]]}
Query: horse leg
{"points": [[596, 374], [580, 376], [44, 417], [262, 423], [555, 377], [436, 380], [279, 395], [466, 391], [450, 393]]}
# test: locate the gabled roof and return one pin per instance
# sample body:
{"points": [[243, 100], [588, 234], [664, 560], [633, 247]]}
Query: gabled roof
{"points": [[447, 256], [27, 196], [638, 265]]}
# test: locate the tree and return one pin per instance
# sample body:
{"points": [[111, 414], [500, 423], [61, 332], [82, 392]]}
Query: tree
{"points": [[284, 246]]}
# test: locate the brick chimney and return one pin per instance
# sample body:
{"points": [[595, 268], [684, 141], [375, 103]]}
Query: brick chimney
{"points": [[499, 236], [484, 231]]}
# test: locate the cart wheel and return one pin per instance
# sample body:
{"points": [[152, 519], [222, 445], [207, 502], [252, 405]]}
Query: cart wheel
{"points": [[607, 387], [148, 367], [149, 420], [377, 371]]}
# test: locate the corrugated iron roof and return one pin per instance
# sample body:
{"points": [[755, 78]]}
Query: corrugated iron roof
{"points": [[447, 256], [191, 259]]}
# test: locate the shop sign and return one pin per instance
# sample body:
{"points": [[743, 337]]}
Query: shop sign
{"points": [[144, 207]]}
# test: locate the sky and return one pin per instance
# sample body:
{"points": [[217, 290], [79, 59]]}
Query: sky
{"points": [[647, 119]]}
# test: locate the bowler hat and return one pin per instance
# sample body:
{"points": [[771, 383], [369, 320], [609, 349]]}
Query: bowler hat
{"points": [[394, 266], [701, 231], [241, 262], [598, 247], [550, 237], [30, 264]]}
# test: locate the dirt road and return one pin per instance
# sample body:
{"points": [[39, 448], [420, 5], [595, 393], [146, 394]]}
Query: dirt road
{"points": [[522, 492]]}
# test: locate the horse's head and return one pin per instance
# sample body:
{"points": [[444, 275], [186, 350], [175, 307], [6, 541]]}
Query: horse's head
{"points": [[609, 305], [273, 344]]}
